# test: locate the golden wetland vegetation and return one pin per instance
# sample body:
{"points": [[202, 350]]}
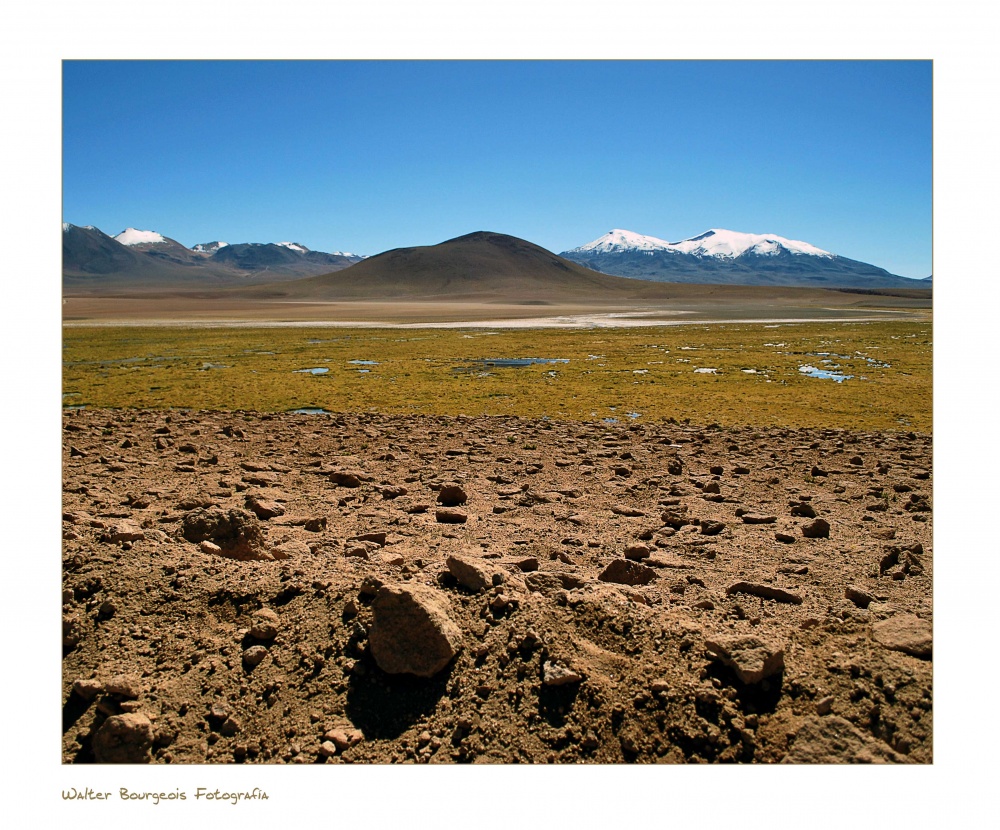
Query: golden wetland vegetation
{"points": [[646, 374]]}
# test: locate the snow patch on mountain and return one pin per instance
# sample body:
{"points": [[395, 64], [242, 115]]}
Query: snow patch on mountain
{"points": [[292, 246], [721, 243], [717, 242], [618, 241], [209, 247], [133, 236]]}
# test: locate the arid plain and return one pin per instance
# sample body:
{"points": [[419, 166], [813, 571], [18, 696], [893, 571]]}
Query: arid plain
{"points": [[499, 532]]}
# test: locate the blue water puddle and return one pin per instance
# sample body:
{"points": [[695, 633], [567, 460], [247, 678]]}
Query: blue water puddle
{"points": [[319, 370], [825, 374], [363, 362], [309, 410], [633, 415], [516, 362], [507, 363]]}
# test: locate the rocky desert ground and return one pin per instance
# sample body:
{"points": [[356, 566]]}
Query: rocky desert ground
{"points": [[294, 588]]}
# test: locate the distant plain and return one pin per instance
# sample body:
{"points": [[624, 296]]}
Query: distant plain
{"points": [[736, 373]]}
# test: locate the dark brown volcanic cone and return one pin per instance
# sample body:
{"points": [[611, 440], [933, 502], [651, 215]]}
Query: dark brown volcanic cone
{"points": [[482, 266]]}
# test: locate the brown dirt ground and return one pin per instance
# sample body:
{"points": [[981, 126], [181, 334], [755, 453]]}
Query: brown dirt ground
{"points": [[156, 626]]}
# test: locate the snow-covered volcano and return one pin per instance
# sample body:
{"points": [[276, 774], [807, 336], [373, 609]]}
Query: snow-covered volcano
{"points": [[719, 242], [724, 256], [716, 242], [619, 241]]}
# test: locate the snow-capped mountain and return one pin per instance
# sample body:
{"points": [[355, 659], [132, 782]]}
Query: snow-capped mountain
{"points": [[149, 259], [731, 244], [619, 241], [716, 242], [724, 256]]}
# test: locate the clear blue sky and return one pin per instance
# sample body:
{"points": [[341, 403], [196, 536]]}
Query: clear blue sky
{"points": [[365, 156]]}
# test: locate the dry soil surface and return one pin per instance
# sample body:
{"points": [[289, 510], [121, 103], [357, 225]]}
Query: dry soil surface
{"points": [[253, 588]]}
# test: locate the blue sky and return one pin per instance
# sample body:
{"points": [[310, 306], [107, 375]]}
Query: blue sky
{"points": [[364, 156]]}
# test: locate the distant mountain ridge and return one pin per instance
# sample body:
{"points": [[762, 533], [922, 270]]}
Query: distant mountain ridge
{"points": [[729, 257], [137, 259], [489, 267]]}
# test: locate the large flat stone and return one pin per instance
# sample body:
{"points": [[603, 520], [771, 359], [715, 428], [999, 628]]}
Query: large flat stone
{"points": [[906, 633]]}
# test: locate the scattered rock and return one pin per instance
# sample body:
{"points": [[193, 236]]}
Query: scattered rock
{"points": [[261, 479], [124, 739], [126, 532], [765, 591], [253, 656], [711, 528], [88, 689], [816, 529], [556, 674], [264, 508], [290, 549], [182, 619], [451, 517], [344, 738], [858, 596], [758, 519], [237, 532], [345, 479], [637, 552], [412, 632], [752, 658], [548, 583], [469, 573], [451, 495], [627, 572], [125, 685], [905, 632], [264, 625]]}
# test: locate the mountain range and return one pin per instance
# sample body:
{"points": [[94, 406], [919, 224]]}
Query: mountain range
{"points": [[730, 257], [481, 266], [497, 269], [143, 260], [139, 259]]}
